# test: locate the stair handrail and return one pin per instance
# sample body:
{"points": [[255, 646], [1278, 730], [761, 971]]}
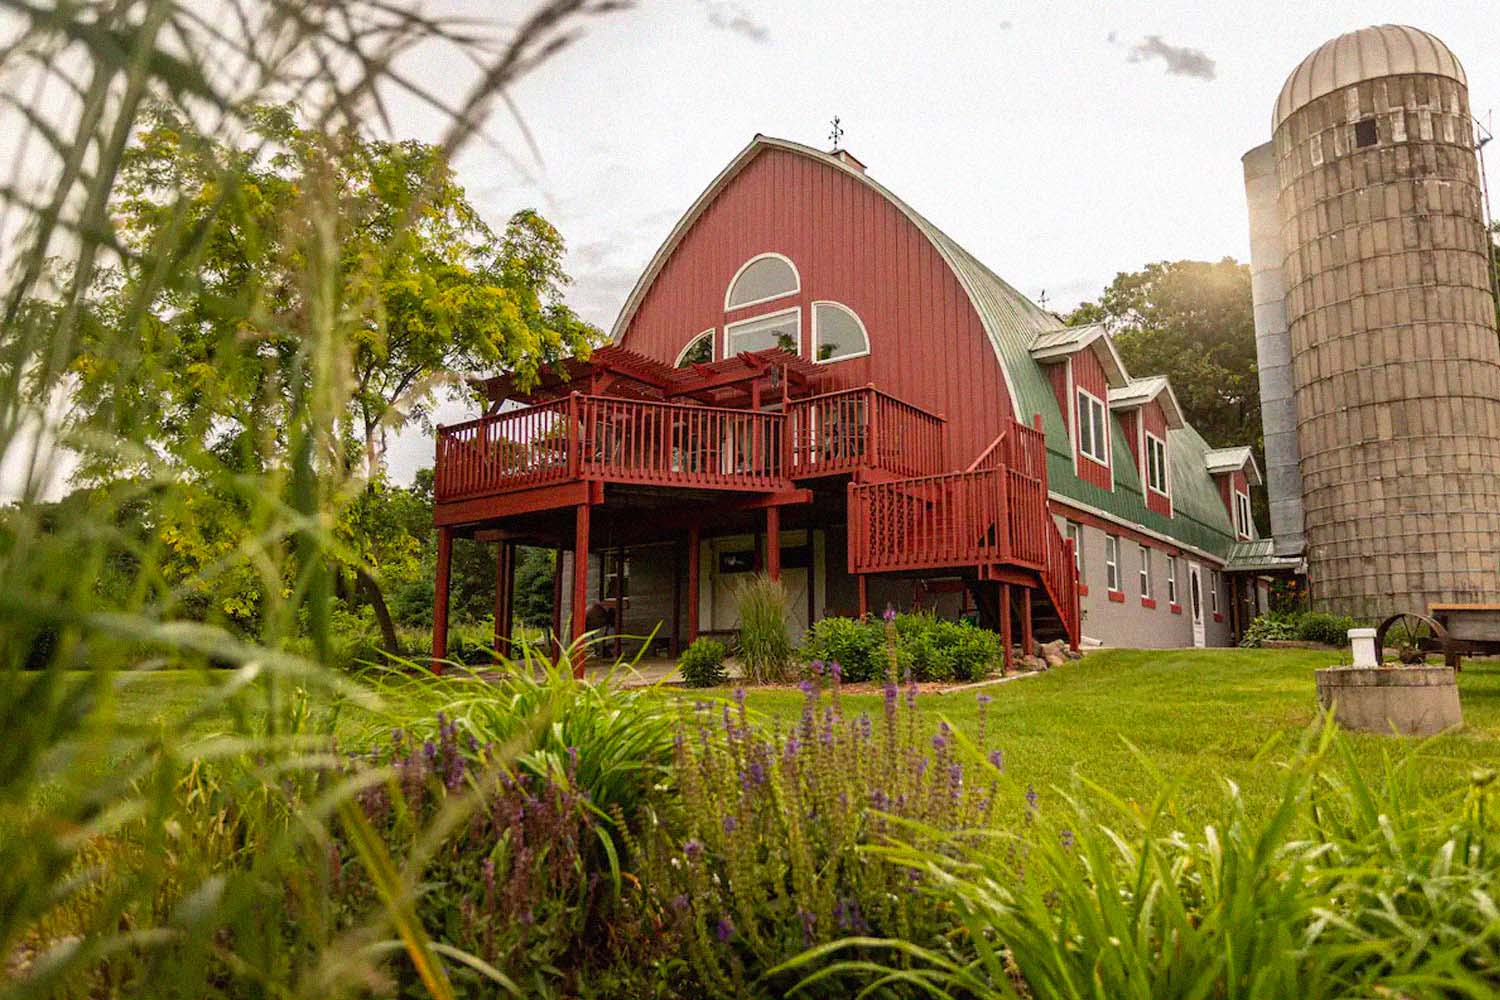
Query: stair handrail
{"points": [[993, 449]]}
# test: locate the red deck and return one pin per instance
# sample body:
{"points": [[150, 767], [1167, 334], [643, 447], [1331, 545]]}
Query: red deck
{"points": [[741, 435]]}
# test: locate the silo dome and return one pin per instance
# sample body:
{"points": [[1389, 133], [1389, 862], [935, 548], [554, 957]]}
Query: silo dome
{"points": [[1366, 54]]}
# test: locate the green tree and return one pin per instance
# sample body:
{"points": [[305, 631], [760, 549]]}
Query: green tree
{"points": [[427, 294]]}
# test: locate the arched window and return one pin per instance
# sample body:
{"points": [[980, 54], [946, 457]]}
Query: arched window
{"points": [[837, 333], [761, 279], [699, 351]]}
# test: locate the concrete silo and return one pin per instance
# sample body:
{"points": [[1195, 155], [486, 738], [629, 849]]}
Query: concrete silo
{"points": [[1375, 326]]}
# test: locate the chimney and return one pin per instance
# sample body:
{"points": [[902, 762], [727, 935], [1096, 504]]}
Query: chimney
{"points": [[848, 159]]}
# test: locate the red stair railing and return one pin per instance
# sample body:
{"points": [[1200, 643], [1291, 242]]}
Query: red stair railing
{"points": [[863, 428]]}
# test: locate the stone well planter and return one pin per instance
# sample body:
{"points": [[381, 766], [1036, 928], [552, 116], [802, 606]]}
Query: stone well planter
{"points": [[1413, 701]]}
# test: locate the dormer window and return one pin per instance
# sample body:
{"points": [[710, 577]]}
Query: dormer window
{"points": [[1093, 432], [1244, 524], [1156, 464], [760, 279]]}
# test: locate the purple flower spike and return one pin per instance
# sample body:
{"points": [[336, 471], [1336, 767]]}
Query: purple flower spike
{"points": [[816, 666], [1031, 798], [938, 742], [729, 824], [890, 613], [693, 848], [739, 696], [1066, 837], [808, 688], [984, 699], [997, 759], [725, 929], [835, 670], [681, 902]]}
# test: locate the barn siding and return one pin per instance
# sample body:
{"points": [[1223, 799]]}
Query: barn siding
{"points": [[850, 245], [1089, 375], [1155, 419]]}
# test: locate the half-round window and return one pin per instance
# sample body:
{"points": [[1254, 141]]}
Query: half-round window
{"points": [[837, 333], [761, 279], [699, 351]]}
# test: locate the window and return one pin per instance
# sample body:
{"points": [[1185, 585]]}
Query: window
{"points": [[837, 333], [1156, 464], [1244, 524], [782, 329], [1171, 579], [1145, 572], [1364, 133], [1213, 590], [699, 351], [1112, 562], [617, 577], [1093, 440], [761, 279], [1075, 535]]}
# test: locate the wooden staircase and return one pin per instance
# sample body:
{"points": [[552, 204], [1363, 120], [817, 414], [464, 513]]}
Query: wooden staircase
{"points": [[990, 523]]}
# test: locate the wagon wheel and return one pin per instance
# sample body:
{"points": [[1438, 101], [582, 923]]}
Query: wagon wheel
{"points": [[1410, 636]]}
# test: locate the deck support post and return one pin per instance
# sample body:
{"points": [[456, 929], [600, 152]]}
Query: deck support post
{"points": [[1005, 628], [440, 599], [773, 542], [505, 578], [579, 607], [864, 596], [694, 543], [1026, 636]]}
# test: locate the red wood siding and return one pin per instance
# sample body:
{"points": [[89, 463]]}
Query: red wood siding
{"points": [[849, 244], [1229, 484], [1155, 419], [1089, 375], [1128, 426], [1057, 374]]}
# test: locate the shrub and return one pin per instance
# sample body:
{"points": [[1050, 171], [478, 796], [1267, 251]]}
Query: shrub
{"points": [[934, 649], [765, 644], [858, 647], [702, 663], [1331, 630], [773, 856], [1276, 626]]}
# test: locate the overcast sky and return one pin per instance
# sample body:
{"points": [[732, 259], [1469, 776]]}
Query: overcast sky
{"points": [[1060, 144]]}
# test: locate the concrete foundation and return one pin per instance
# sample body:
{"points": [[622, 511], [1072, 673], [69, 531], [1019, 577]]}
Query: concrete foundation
{"points": [[1412, 701]]}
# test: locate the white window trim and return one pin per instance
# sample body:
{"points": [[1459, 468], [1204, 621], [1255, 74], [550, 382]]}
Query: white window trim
{"points": [[730, 327], [1242, 520], [729, 289], [1112, 581], [709, 333], [1075, 529], [813, 354], [1171, 579], [1166, 470], [1102, 462], [1215, 581], [1145, 574]]}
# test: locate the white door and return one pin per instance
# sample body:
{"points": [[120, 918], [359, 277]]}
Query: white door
{"points": [[1195, 597]]}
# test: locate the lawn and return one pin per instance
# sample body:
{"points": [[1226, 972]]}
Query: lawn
{"points": [[1192, 716]]}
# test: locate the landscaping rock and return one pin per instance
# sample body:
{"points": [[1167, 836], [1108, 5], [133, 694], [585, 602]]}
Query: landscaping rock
{"points": [[1056, 660]]}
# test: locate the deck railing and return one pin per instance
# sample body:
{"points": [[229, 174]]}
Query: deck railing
{"points": [[617, 440], [993, 513], [863, 428]]}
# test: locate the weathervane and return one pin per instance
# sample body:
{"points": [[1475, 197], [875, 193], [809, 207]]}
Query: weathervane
{"points": [[836, 133]]}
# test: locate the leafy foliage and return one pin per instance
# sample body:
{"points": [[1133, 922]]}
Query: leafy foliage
{"points": [[1304, 626], [771, 859], [927, 648], [857, 646], [702, 663], [1347, 887]]}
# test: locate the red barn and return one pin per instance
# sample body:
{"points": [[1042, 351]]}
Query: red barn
{"points": [[812, 381]]}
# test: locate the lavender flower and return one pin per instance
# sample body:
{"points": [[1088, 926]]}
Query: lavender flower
{"points": [[809, 923], [1066, 839], [816, 666], [997, 759], [693, 848], [983, 700], [808, 688], [938, 742], [725, 929], [680, 902], [1031, 800], [880, 800], [890, 614], [729, 824], [835, 670]]}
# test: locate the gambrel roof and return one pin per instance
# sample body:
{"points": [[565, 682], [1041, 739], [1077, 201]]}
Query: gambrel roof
{"points": [[1015, 327]]}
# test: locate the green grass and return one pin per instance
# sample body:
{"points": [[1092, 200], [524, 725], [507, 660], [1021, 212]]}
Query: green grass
{"points": [[1194, 716]]}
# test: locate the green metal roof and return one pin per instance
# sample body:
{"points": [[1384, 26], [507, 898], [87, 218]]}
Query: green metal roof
{"points": [[1259, 555]]}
